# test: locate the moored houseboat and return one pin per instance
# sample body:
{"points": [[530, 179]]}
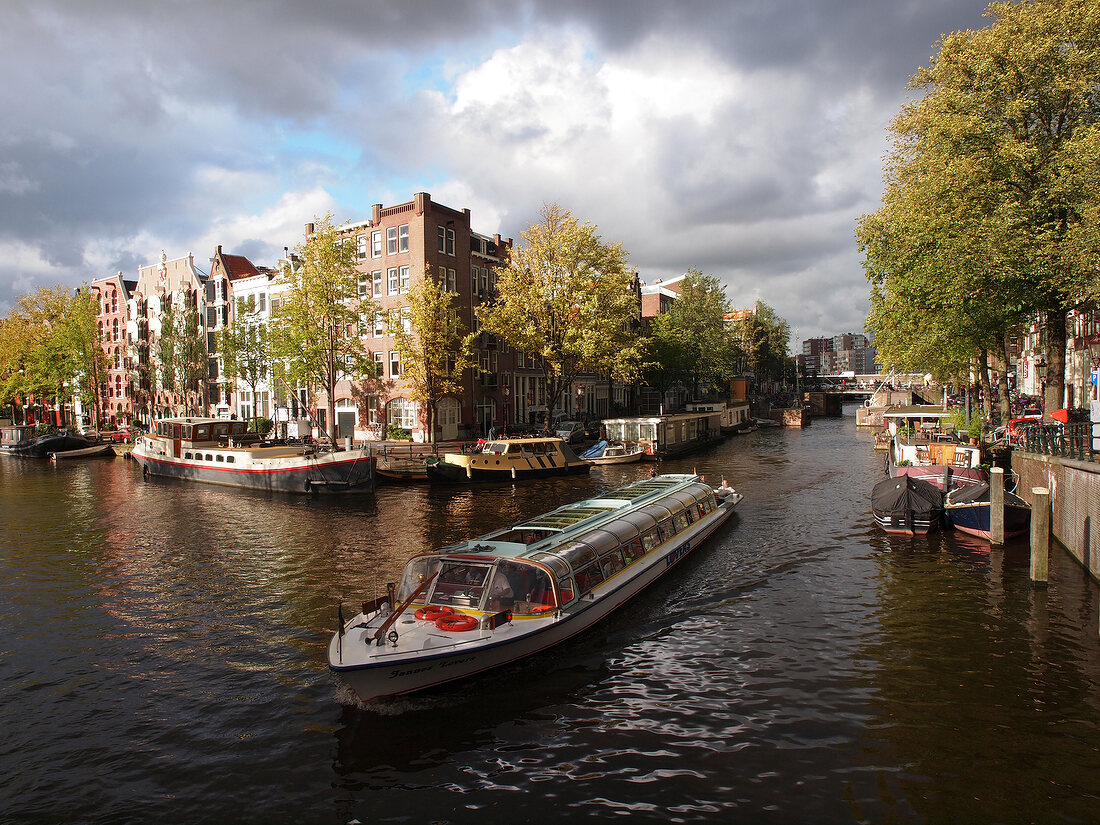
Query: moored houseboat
{"points": [[666, 436], [923, 446], [506, 459], [220, 451], [483, 603]]}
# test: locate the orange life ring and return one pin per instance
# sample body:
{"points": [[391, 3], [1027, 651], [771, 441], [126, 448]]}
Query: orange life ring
{"points": [[456, 623], [433, 612]]}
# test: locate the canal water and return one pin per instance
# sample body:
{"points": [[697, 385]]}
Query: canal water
{"points": [[162, 658]]}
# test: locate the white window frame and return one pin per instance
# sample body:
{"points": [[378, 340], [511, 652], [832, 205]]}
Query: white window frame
{"points": [[361, 246], [391, 240], [376, 243], [403, 238], [404, 278]]}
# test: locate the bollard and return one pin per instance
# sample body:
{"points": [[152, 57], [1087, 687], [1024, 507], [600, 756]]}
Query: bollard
{"points": [[1040, 533], [996, 506]]}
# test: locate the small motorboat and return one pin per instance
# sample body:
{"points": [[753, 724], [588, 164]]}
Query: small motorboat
{"points": [[618, 453], [967, 509], [905, 505], [508, 459], [483, 603], [94, 451]]}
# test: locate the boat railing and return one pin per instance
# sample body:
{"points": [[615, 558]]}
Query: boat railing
{"points": [[1065, 440]]}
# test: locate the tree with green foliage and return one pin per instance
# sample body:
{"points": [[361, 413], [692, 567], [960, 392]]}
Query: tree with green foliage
{"points": [[315, 330], [435, 347], [244, 348], [668, 358], [991, 200], [49, 347], [569, 298], [700, 316], [765, 338], [81, 331], [181, 353]]}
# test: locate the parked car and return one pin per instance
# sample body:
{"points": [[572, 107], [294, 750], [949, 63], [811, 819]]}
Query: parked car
{"points": [[592, 429], [120, 436], [571, 431]]}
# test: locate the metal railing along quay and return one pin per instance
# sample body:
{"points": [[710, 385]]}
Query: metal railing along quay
{"points": [[1064, 440]]}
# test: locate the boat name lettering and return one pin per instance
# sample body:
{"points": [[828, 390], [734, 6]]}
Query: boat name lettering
{"points": [[394, 674], [456, 661], [677, 554]]}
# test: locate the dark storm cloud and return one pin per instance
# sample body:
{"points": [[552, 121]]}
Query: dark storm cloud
{"points": [[132, 126]]}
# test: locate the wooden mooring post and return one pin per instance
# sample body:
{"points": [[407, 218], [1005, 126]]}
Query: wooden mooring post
{"points": [[1040, 533], [996, 506]]}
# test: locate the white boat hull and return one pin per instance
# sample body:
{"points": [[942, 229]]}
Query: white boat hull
{"points": [[425, 657]]}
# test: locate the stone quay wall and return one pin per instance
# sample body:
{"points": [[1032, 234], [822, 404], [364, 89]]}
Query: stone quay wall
{"points": [[1075, 501]]}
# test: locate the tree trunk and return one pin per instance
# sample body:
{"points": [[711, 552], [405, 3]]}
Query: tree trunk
{"points": [[1004, 406], [1055, 393]]}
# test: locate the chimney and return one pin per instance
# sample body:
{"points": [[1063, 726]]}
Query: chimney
{"points": [[309, 230]]}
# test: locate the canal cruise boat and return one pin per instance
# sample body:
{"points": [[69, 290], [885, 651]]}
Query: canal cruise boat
{"points": [[505, 459], [491, 600], [221, 451]]}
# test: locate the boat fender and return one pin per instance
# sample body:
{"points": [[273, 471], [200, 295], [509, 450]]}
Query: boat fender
{"points": [[513, 472], [456, 623], [433, 612]]}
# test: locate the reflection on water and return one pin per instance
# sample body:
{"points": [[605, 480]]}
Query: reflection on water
{"points": [[164, 658]]}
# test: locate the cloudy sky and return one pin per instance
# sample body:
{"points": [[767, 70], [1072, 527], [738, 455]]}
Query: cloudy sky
{"points": [[742, 137]]}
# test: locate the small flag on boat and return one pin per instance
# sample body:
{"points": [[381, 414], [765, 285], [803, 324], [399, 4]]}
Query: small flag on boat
{"points": [[340, 616]]}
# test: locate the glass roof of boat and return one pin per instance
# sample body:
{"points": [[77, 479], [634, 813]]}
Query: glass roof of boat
{"points": [[563, 518]]}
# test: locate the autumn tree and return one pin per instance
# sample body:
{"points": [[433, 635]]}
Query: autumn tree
{"points": [[435, 347], [181, 353], [315, 330], [1003, 140], [567, 297], [244, 348]]}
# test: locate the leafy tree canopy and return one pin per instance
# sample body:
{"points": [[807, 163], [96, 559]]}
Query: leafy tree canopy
{"points": [[567, 297]]}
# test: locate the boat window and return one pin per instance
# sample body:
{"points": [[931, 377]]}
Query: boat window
{"points": [[667, 529], [578, 555], [209, 457], [565, 590], [524, 535], [624, 531], [643, 521], [238, 427], [220, 458], [601, 541], [559, 566], [187, 455], [650, 539], [681, 521], [633, 550], [510, 583], [611, 564], [201, 432], [416, 571], [460, 583], [221, 429], [230, 459], [588, 578], [532, 592]]}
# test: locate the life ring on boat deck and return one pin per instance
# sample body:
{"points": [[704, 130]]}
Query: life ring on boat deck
{"points": [[456, 623], [433, 612]]}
